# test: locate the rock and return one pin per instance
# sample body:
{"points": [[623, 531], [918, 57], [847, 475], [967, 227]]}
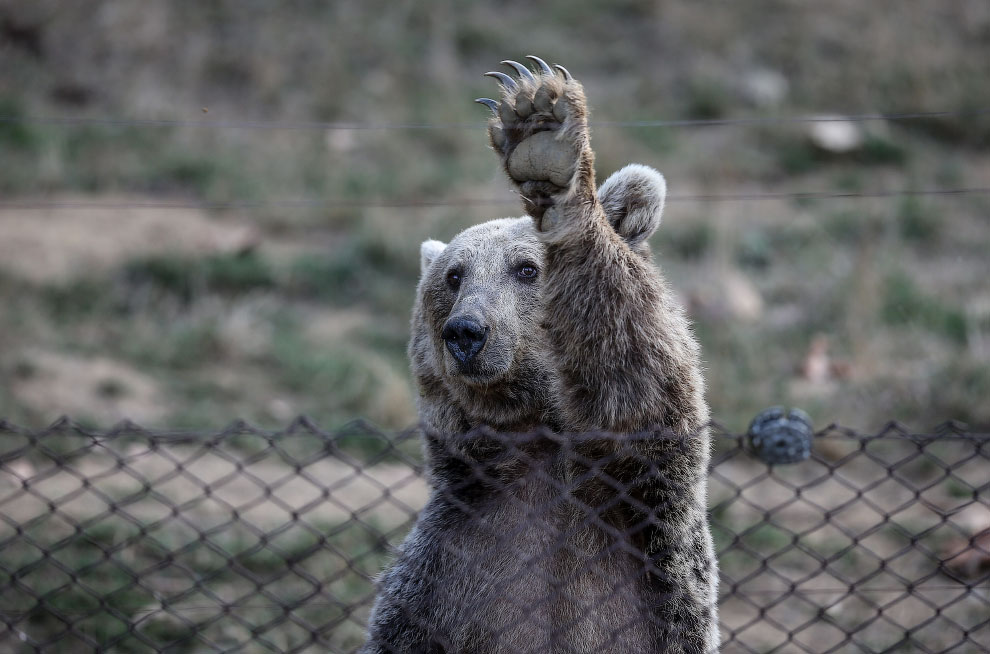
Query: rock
{"points": [[835, 134], [764, 87]]}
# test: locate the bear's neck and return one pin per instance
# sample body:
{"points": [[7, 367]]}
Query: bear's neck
{"points": [[516, 406]]}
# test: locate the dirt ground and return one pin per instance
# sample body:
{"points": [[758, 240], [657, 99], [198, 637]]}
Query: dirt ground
{"points": [[59, 245], [350, 493]]}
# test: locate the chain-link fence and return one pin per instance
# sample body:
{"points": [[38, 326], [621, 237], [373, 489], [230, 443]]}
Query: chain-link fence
{"points": [[248, 540]]}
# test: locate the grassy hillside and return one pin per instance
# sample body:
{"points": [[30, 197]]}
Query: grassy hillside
{"points": [[278, 280]]}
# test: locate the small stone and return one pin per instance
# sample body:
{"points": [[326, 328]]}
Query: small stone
{"points": [[833, 134], [764, 87]]}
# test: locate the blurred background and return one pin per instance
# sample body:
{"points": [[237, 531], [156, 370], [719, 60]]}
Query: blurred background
{"points": [[212, 210]]}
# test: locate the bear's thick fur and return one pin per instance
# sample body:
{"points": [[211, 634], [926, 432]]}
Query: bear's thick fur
{"points": [[552, 324]]}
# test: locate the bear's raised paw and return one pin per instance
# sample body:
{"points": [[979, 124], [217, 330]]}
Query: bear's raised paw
{"points": [[540, 131]]}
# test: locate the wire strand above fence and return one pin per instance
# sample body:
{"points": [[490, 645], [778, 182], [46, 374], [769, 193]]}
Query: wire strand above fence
{"points": [[893, 116], [416, 203]]}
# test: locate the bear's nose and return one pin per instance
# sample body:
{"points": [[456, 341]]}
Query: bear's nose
{"points": [[464, 338]]}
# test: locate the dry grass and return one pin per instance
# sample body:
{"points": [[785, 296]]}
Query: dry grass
{"points": [[166, 292]]}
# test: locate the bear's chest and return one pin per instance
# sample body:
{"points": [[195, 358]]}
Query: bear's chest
{"points": [[530, 571]]}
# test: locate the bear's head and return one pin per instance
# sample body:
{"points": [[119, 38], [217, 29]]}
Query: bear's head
{"points": [[477, 324]]}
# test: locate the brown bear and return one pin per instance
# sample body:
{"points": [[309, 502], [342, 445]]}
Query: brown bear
{"points": [[563, 412]]}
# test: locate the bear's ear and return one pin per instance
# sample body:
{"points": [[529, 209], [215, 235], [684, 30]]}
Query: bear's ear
{"points": [[429, 251], [633, 201]]}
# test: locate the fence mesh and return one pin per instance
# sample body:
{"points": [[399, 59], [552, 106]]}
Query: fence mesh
{"points": [[248, 540]]}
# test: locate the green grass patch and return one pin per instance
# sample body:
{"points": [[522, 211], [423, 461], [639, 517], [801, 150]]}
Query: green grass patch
{"points": [[371, 269], [689, 242], [329, 278], [767, 539], [917, 222], [797, 155], [345, 379], [81, 298], [14, 133], [303, 369], [955, 387], [904, 304], [760, 247], [852, 227], [706, 99], [187, 346], [91, 580], [881, 151], [957, 489], [188, 277], [84, 578]]}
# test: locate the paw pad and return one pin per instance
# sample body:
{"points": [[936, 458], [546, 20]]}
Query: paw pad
{"points": [[539, 129], [528, 125]]}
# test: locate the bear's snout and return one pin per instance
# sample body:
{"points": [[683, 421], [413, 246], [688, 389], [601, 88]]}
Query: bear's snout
{"points": [[464, 337]]}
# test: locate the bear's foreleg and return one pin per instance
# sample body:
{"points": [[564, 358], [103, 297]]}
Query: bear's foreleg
{"points": [[626, 360]]}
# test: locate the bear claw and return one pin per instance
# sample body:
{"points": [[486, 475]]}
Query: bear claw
{"points": [[504, 80], [544, 66], [524, 72], [488, 102], [535, 132]]}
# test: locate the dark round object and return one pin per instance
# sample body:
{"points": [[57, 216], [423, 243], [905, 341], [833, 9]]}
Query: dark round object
{"points": [[778, 435]]}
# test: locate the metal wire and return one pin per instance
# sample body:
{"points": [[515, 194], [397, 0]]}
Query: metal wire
{"points": [[131, 539], [384, 125], [414, 203], [431, 203]]}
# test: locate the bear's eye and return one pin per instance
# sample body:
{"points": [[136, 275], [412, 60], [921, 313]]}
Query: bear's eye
{"points": [[526, 272], [454, 278]]}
